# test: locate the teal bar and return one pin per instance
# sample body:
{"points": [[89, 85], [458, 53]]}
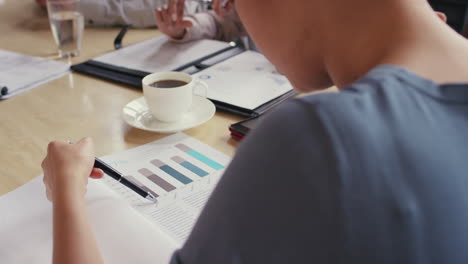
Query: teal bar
{"points": [[213, 164], [194, 169], [175, 174]]}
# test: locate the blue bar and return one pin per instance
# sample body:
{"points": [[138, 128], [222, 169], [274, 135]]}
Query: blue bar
{"points": [[177, 175], [194, 169], [213, 164]]}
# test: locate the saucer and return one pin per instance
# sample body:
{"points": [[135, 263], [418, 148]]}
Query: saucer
{"points": [[137, 114]]}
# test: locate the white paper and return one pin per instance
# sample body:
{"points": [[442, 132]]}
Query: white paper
{"points": [[149, 234], [177, 210], [161, 54], [123, 236], [247, 80], [20, 73]]}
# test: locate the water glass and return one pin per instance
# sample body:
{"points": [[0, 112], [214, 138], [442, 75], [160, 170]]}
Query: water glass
{"points": [[67, 25]]}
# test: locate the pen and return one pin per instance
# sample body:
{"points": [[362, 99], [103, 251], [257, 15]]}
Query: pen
{"points": [[119, 177]]}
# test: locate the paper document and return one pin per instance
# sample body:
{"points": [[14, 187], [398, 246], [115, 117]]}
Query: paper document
{"points": [[161, 54], [247, 80], [180, 170], [20, 73]]}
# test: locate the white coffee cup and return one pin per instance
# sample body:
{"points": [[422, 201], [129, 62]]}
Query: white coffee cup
{"points": [[170, 104]]}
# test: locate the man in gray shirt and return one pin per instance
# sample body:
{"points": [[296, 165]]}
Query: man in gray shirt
{"points": [[376, 173], [373, 174]]}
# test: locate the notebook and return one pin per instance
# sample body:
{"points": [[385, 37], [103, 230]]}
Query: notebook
{"points": [[248, 82], [262, 89], [130, 64], [181, 171]]}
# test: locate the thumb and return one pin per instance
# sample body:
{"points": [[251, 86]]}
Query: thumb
{"points": [[186, 24]]}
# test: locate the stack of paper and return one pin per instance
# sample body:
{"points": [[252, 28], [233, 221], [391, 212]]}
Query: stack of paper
{"points": [[160, 54], [19, 73]]}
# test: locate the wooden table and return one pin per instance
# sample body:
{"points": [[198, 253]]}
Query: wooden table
{"points": [[73, 106]]}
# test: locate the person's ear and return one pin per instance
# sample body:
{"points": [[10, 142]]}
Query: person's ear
{"points": [[442, 16]]}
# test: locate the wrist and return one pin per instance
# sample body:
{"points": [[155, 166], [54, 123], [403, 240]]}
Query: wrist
{"points": [[180, 35], [68, 202], [69, 196]]}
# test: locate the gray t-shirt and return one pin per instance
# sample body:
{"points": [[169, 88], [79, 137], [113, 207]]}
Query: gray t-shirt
{"points": [[377, 173]]}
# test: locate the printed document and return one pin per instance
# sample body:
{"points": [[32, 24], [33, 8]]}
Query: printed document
{"points": [[161, 54], [247, 80], [20, 73], [180, 170]]}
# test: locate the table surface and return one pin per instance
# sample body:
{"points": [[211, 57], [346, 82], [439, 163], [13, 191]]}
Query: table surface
{"points": [[73, 106]]}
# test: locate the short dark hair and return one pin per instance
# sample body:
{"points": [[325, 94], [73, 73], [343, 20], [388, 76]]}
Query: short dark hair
{"points": [[456, 11]]}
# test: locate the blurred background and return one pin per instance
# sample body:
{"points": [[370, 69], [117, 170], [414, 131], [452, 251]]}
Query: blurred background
{"points": [[456, 11]]}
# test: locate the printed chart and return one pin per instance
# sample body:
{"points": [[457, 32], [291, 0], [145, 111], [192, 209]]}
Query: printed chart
{"points": [[179, 170]]}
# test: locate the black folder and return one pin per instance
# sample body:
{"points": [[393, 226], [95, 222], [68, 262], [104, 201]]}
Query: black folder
{"points": [[133, 78]]}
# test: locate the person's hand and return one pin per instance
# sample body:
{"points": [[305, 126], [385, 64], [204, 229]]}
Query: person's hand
{"points": [[171, 21], [41, 3], [221, 10], [67, 168]]}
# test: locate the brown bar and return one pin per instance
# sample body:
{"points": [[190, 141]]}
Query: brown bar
{"points": [[157, 180]]}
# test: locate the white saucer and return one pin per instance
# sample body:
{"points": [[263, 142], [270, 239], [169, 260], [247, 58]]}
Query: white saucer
{"points": [[136, 114]]}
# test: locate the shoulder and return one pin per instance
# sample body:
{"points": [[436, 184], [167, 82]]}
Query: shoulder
{"points": [[383, 93], [294, 133]]}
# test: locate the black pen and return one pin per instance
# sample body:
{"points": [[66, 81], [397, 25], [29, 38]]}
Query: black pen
{"points": [[120, 178]]}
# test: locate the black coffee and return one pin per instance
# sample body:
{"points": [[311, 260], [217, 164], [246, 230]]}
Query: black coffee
{"points": [[168, 84]]}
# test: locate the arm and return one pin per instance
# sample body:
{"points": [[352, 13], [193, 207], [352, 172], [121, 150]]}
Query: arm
{"points": [[66, 171], [73, 238], [138, 13], [206, 25]]}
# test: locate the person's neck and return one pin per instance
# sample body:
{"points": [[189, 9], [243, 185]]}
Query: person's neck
{"points": [[407, 36]]}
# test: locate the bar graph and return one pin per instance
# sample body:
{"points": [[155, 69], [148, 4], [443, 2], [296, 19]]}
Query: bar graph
{"points": [[190, 166], [171, 171], [199, 156], [179, 170], [157, 180]]}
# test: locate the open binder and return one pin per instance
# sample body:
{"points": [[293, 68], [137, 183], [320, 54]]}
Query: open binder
{"points": [[129, 65]]}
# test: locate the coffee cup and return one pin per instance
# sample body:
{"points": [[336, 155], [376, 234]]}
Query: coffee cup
{"points": [[169, 95]]}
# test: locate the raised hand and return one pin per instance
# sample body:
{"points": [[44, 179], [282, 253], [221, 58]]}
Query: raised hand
{"points": [[171, 21]]}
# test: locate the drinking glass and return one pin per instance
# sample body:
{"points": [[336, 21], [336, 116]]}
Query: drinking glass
{"points": [[67, 25]]}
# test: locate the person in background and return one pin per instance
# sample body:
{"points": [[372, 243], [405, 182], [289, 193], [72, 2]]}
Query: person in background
{"points": [[138, 13], [221, 23], [375, 173]]}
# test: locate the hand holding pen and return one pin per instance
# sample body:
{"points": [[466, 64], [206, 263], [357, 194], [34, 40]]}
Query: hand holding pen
{"points": [[68, 166]]}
